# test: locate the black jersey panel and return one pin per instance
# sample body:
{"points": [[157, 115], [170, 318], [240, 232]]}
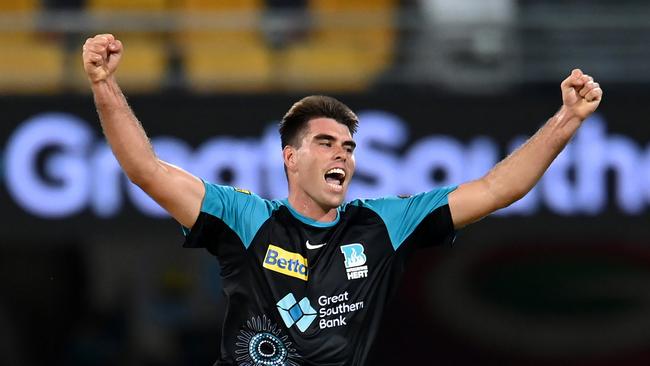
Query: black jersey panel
{"points": [[205, 232], [437, 228], [220, 240]]}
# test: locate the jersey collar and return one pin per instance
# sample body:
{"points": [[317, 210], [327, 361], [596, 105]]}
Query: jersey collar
{"points": [[310, 221]]}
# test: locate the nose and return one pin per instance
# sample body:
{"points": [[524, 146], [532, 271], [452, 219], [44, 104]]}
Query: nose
{"points": [[340, 154]]}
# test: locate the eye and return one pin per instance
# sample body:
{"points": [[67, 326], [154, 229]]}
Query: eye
{"points": [[326, 143]]}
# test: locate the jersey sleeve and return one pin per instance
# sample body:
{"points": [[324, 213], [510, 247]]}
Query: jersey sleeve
{"points": [[425, 216], [228, 208]]}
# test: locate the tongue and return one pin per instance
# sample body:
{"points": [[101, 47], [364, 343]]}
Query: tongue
{"points": [[332, 180]]}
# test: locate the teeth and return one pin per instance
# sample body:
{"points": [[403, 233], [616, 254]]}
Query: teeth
{"points": [[336, 171]]}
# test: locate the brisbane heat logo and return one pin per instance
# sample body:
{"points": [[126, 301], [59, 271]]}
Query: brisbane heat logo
{"points": [[355, 261]]}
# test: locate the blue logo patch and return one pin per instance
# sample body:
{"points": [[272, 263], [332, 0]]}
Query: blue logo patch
{"points": [[299, 313], [355, 261]]}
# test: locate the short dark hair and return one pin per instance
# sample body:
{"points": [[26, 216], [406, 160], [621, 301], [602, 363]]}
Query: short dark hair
{"points": [[314, 106]]}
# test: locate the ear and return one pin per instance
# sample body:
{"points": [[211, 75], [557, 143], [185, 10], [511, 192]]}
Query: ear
{"points": [[289, 157]]}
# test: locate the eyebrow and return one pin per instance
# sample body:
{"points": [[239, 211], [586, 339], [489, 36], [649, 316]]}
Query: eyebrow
{"points": [[324, 136]]}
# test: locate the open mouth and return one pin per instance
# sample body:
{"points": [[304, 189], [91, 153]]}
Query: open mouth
{"points": [[335, 177]]}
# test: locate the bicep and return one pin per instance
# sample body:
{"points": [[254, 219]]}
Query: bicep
{"points": [[177, 191], [471, 202]]}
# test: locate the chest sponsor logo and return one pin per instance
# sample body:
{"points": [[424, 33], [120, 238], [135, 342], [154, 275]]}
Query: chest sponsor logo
{"points": [[285, 262], [301, 313], [335, 310], [355, 261]]}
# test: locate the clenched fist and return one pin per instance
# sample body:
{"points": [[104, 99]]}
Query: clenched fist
{"points": [[101, 55], [581, 94]]}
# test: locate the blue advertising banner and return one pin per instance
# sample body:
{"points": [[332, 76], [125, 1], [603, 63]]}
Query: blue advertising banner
{"points": [[56, 167]]}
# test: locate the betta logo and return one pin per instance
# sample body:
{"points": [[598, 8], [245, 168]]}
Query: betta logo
{"points": [[286, 262]]}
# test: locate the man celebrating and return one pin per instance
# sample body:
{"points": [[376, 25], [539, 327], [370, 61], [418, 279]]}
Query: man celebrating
{"points": [[307, 278]]}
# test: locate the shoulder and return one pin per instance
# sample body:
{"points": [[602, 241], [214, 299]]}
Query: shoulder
{"points": [[427, 201], [220, 199]]}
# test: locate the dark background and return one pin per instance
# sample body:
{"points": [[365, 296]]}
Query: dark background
{"points": [[544, 282], [541, 288]]}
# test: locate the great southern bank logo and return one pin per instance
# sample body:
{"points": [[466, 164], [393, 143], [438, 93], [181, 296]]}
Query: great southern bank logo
{"points": [[299, 313], [355, 261], [285, 262]]}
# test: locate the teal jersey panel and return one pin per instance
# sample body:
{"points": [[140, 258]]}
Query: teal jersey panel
{"points": [[402, 215], [243, 211]]}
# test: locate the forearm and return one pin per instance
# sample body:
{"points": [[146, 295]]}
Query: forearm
{"points": [[177, 191], [124, 132], [517, 174]]}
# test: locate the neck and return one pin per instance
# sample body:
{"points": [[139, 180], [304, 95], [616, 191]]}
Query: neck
{"points": [[307, 207]]}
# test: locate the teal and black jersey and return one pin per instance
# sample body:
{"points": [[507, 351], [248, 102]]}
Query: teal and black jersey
{"points": [[301, 292]]}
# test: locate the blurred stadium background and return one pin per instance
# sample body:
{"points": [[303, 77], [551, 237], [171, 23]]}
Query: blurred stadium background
{"points": [[92, 273]]}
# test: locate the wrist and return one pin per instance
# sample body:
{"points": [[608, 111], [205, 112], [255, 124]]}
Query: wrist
{"points": [[106, 91], [106, 84], [567, 115]]}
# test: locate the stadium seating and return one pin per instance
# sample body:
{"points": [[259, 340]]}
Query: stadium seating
{"points": [[349, 57], [209, 46], [144, 67], [327, 58], [127, 5], [19, 5], [231, 57], [30, 61]]}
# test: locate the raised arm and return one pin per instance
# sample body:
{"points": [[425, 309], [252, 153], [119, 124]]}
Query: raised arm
{"points": [[517, 174], [179, 192]]}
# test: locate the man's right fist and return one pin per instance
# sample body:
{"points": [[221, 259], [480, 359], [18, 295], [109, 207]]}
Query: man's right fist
{"points": [[101, 54]]}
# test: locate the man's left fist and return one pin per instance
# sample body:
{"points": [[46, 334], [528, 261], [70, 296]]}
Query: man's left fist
{"points": [[581, 95]]}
